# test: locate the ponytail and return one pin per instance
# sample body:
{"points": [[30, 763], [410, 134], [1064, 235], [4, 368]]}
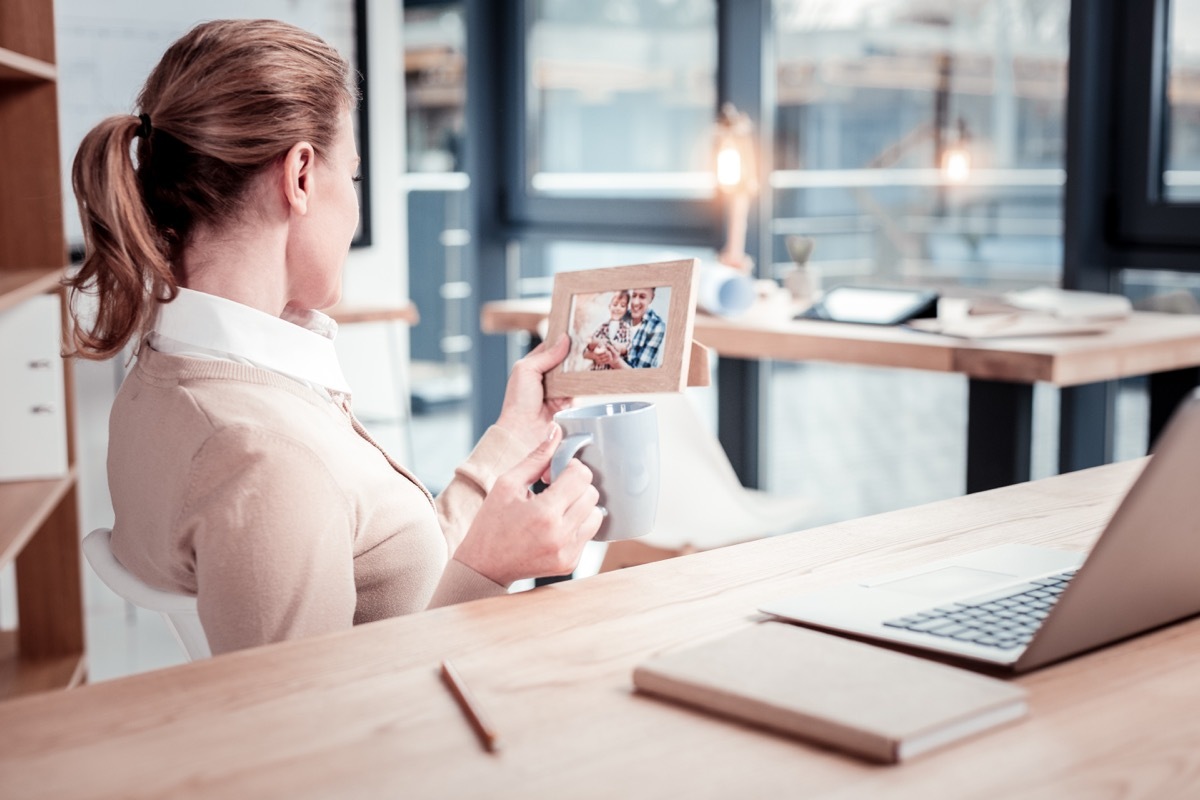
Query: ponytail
{"points": [[126, 264]]}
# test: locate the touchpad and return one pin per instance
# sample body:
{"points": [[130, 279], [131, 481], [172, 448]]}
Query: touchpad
{"points": [[947, 582]]}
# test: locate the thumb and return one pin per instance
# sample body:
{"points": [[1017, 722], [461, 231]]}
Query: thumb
{"points": [[537, 463], [547, 356]]}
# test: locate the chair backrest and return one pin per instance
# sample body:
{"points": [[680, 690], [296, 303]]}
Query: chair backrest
{"points": [[179, 610], [702, 504]]}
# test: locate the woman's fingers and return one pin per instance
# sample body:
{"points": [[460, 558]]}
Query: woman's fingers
{"points": [[583, 515]]}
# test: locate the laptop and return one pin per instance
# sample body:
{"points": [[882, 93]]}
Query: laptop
{"points": [[1020, 607]]}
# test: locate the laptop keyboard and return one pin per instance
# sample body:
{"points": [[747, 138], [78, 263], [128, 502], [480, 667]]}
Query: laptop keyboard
{"points": [[1003, 620]]}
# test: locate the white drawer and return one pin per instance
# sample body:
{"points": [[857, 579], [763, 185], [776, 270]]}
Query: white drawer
{"points": [[33, 428]]}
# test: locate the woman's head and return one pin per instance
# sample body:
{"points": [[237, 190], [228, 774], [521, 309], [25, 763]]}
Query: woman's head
{"points": [[227, 101]]}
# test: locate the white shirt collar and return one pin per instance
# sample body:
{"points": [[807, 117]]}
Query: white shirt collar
{"points": [[195, 323]]}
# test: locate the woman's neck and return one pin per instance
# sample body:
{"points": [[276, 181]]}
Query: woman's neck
{"points": [[243, 265]]}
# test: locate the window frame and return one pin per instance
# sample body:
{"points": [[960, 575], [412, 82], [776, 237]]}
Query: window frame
{"points": [[1145, 216]]}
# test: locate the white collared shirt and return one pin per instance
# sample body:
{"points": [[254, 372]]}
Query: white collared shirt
{"points": [[200, 325]]}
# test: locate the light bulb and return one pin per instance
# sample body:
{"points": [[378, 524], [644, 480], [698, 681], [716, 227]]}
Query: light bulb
{"points": [[956, 164], [729, 167]]}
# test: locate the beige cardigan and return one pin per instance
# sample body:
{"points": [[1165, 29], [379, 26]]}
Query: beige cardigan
{"points": [[275, 508]]}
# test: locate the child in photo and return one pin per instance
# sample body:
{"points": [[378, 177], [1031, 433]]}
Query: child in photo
{"points": [[615, 332]]}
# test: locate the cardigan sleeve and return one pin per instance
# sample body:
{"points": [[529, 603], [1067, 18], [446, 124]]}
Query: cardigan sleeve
{"points": [[460, 583], [272, 537], [497, 452]]}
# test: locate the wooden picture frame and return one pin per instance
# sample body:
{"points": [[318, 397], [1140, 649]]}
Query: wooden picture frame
{"points": [[587, 305]]}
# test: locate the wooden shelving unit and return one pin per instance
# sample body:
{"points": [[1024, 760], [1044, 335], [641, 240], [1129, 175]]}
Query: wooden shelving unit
{"points": [[17, 286], [39, 520]]}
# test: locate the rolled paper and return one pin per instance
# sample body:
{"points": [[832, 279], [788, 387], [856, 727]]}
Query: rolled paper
{"points": [[723, 291]]}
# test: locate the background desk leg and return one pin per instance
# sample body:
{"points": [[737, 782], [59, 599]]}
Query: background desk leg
{"points": [[739, 395], [1085, 420], [999, 433], [1167, 390]]}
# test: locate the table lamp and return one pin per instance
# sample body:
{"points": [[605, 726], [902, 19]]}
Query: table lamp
{"points": [[737, 179], [956, 158]]}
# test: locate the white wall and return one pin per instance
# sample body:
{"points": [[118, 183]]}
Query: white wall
{"points": [[379, 273]]}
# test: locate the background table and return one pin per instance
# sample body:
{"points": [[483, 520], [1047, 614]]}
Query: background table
{"points": [[1000, 373], [364, 713]]}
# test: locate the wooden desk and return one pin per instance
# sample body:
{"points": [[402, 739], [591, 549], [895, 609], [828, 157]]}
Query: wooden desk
{"points": [[364, 713], [1000, 372]]}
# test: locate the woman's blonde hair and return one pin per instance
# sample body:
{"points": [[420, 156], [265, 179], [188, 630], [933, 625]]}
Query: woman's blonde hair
{"points": [[226, 101]]}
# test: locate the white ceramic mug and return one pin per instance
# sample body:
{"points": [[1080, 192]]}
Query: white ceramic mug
{"points": [[618, 441]]}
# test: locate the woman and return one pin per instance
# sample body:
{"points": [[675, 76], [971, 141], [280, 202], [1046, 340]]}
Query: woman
{"points": [[236, 468]]}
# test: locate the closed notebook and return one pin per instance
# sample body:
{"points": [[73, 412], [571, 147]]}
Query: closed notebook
{"points": [[876, 703]]}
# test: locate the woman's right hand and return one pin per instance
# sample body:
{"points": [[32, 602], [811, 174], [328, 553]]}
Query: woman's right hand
{"points": [[518, 534]]}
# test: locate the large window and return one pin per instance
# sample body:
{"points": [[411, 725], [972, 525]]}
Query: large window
{"points": [[876, 100], [620, 98], [616, 101], [1181, 172], [1156, 161], [914, 143], [902, 142]]}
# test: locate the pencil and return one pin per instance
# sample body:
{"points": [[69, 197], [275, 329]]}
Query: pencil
{"points": [[470, 707]]}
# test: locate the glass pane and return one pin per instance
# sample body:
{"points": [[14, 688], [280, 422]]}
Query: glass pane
{"points": [[921, 142], [439, 281], [435, 86], [1181, 170], [621, 96]]}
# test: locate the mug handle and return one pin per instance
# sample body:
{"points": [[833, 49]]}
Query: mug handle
{"points": [[567, 449]]}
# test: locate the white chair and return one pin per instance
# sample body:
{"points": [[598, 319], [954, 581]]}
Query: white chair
{"points": [[702, 505], [179, 610]]}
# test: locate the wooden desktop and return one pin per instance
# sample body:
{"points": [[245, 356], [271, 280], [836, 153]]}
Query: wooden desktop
{"points": [[365, 713]]}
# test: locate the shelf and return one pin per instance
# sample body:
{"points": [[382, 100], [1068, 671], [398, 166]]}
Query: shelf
{"points": [[24, 506], [39, 519], [21, 676], [349, 314], [17, 286], [17, 67]]}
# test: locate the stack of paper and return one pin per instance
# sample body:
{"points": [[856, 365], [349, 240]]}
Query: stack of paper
{"points": [[1042, 311], [1071, 305], [1002, 326]]}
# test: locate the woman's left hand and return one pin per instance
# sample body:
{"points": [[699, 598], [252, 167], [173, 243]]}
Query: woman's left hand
{"points": [[526, 412]]}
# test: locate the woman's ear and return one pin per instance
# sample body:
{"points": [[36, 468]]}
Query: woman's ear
{"points": [[298, 167]]}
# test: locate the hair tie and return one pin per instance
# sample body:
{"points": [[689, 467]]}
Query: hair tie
{"points": [[143, 129]]}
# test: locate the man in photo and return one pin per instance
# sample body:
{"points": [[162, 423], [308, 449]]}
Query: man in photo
{"points": [[648, 332]]}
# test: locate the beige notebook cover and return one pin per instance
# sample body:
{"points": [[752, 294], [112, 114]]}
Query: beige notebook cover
{"points": [[876, 703]]}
